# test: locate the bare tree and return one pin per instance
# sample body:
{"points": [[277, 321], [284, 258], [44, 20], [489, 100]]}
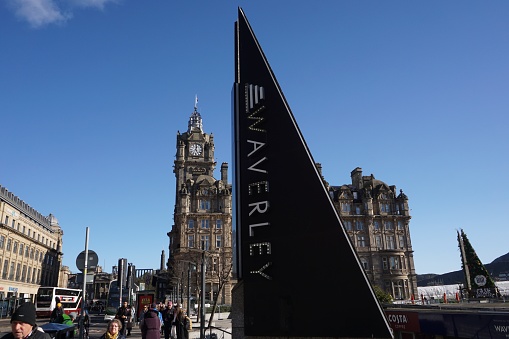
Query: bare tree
{"points": [[219, 266], [222, 271]]}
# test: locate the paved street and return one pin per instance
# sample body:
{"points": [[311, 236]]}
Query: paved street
{"points": [[98, 327]]}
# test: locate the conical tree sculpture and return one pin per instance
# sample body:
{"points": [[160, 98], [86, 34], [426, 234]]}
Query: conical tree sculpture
{"points": [[479, 283]]}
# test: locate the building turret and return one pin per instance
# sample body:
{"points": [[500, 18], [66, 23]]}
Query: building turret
{"points": [[163, 260], [224, 173], [356, 175]]}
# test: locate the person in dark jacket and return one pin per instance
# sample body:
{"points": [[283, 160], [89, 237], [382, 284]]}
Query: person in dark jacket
{"points": [[123, 314], [113, 331], [167, 315], [23, 325], [56, 314], [151, 325]]}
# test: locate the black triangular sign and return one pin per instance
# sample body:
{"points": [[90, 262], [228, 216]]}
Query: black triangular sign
{"points": [[300, 273]]}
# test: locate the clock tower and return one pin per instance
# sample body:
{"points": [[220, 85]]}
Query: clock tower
{"points": [[203, 212], [195, 152]]}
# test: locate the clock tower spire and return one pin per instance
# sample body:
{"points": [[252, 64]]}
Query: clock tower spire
{"points": [[195, 123]]}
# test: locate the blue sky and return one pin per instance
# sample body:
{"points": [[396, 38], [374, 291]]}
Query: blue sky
{"points": [[92, 93]]}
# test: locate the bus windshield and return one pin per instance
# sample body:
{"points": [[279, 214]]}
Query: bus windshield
{"points": [[113, 302]]}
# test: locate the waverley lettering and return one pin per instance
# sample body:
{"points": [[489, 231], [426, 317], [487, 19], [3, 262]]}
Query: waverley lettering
{"points": [[256, 156]]}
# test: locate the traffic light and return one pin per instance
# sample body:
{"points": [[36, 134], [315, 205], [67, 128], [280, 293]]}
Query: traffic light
{"points": [[131, 275], [122, 272]]}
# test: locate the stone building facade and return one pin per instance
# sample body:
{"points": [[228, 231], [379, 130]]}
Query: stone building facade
{"points": [[377, 220], [30, 249], [202, 216]]}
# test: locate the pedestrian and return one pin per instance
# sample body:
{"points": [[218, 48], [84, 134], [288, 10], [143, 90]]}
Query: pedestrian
{"points": [[159, 314], [130, 319], [113, 331], [56, 314], [85, 322], [23, 324], [142, 314], [123, 314], [181, 324], [167, 320], [151, 325]]}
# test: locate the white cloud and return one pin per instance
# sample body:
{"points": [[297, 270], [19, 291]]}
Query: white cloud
{"points": [[92, 3], [43, 12], [39, 12]]}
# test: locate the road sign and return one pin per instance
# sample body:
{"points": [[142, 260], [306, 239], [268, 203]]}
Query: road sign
{"points": [[93, 260]]}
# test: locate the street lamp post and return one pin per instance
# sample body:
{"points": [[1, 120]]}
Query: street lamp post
{"points": [[202, 311], [201, 316], [189, 290], [182, 289]]}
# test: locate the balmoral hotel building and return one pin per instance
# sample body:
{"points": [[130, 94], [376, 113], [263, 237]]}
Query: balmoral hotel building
{"points": [[377, 219], [30, 248]]}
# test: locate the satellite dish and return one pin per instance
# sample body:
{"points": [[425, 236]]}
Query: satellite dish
{"points": [[93, 260]]}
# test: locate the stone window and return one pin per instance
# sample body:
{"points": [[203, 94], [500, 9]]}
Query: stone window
{"points": [[204, 204], [205, 223], [6, 267], [12, 271], [394, 263], [389, 225], [18, 272], [389, 240], [376, 225], [359, 225], [401, 241], [361, 241], [205, 242], [348, 225]]}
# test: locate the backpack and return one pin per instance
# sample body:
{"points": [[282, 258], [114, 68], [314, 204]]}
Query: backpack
{"points": [[188, 323]]}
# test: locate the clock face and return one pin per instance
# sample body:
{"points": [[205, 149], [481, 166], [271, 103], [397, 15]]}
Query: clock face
{"points": [[195, 149]]}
